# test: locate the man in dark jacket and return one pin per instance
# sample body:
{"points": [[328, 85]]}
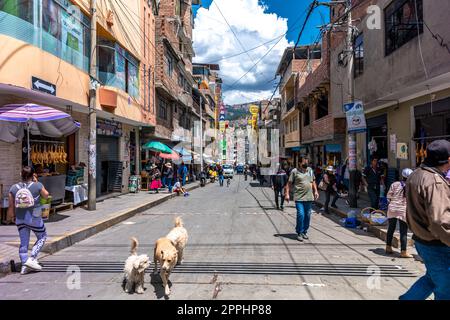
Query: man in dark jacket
{"points": [[428, 217], [279, 182]]}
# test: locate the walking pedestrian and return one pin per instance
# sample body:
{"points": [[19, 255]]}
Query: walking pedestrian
{"points": [[373, 179], [428, 217], [155, 176], [279, 181], [305, 192], [397, 212], [182, 173], [24, 200], [168, 175], [220, 174], [330, 181]]}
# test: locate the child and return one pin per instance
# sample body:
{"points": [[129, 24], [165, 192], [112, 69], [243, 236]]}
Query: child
{"points": [[178, 188]]}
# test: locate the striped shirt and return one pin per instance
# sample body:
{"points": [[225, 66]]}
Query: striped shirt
{"points": [[397, 204]]}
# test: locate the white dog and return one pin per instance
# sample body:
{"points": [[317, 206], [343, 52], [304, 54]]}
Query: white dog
{"points": [[169, 252], [134, 270]]}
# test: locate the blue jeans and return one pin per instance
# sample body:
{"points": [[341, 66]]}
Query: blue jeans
{"points": [[303, 216], [183, 182], [221, 180], [437, 278], [168, 182]]}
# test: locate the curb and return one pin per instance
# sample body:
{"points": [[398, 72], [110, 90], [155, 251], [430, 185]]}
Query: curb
{"points": [[377, 231], [69, 239]]}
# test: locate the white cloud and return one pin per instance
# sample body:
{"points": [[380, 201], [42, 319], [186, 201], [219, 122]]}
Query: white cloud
{"points": [[214, 41]]}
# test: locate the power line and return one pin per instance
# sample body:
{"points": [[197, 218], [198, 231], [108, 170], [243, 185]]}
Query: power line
{"points": [[311, 8]]}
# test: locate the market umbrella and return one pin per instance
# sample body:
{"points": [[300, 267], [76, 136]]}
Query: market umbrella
{"points": [[157, 146], [38, 120], [173, 155]]}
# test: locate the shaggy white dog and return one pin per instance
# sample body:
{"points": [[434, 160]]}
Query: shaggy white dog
{"points": [[134, 270], [169, 252]]}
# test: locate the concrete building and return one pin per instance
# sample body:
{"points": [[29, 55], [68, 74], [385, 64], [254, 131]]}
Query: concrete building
{"points": [[322, 123], [175, 114], [402, 76], [293, 69], [46, 44]]}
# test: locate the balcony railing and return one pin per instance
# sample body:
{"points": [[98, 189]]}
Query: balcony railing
{"points": [[290, 105]]}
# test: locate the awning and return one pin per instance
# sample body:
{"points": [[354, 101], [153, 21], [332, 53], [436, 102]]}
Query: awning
{"points": [[333, 148]]}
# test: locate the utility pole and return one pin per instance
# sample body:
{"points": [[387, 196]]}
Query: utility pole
{"points": [[201, 134], [351, 136], [92, 163]]}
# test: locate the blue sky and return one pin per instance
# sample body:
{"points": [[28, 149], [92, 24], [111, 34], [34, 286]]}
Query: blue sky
{"points": [[292, 9], [249, 56]]}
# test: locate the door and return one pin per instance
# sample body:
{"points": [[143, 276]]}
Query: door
{"points": [[107, 151]]}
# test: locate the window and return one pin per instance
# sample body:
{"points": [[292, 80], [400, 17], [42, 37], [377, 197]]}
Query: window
{"points": [[178, 7], [169, 64], [322, 107], [50, 25], [22, 9], [162, 109], [117, 68], [359, 56], [401, 24], [306, 120]]}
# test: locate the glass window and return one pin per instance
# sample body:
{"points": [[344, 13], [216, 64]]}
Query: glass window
{"points": [[401, 24], [169, 64], [322, 107], [359, 56], [162, 109], [132, 78], [306, 119], [22, 9]]}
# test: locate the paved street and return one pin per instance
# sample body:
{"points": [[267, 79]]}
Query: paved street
{"points": [[239, 248]]}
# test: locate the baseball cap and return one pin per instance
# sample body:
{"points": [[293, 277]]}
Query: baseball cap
{"points": [[438, 153]]}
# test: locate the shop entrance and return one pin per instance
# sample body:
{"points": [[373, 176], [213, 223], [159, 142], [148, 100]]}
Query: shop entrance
{"points": [[377, 138], [109, 168]]}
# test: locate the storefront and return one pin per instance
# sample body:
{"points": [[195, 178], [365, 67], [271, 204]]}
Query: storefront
{"points": [[109, 167], [432, 122], [377, 138], [333, 154]]}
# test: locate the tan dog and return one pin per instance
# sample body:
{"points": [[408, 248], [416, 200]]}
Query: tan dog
{"points": [[134, 270], [169, 252]]}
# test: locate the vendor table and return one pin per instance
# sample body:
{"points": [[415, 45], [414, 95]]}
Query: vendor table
{"points": [[80, 193]]}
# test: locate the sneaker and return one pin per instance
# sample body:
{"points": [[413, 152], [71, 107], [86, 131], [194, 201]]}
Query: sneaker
{"points": [[281, 208], [24, 270], [33, 264], [304, 236], [334, 206], [299, 238]]}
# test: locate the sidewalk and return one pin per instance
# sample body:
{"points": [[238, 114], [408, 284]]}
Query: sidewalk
{"points": [[69, 227], [379, 231]]}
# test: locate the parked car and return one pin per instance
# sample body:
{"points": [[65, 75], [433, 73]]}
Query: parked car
{"points": [[228, 171], [240, 168]]}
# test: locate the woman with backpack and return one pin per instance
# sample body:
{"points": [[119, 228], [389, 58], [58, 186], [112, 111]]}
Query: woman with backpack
{"points": [[24, 200], [397, 211]]}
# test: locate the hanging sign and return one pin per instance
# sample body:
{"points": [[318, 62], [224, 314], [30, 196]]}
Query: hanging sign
{"points": [[356, 120]]}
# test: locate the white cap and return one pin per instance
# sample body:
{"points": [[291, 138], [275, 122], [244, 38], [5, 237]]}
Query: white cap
{"points": [[406, 173]]}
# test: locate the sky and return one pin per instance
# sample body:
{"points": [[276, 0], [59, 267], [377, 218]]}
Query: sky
{"points": [[256, 23]]}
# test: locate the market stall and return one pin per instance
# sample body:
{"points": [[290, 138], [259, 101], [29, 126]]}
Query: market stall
{"points": [[47, 136]]}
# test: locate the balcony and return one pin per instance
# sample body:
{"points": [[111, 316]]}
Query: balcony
{"points": [[290, 105], [325, 128]]}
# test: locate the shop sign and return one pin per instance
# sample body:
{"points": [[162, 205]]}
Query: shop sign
{"points": [[402, 151], [109, 128], [253, 109], [43, 86], [356, 120]]}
